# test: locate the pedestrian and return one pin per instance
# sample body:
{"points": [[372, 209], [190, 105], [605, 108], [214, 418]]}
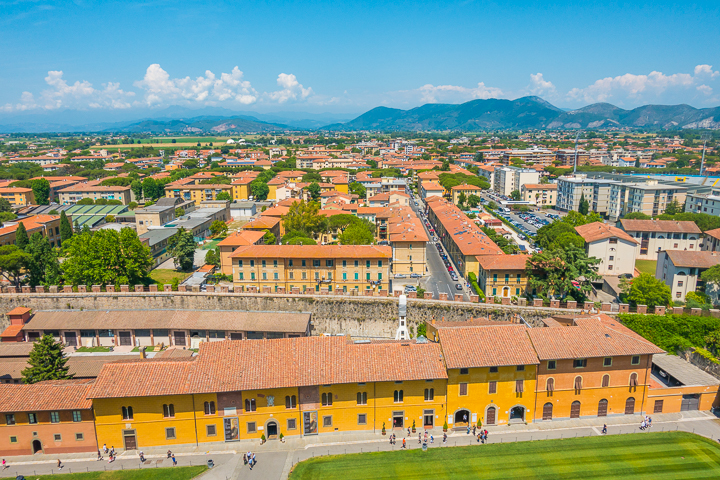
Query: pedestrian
{"points": [[604, 430], [408, 432], [642, 425], [468, 429], [474, 428], [169, 454], [465, 417], [254, 461], [105, 449], [111, 457], [142, 456], [112, 451], [390, 439], [649, 422], [432, 439], [245, 458], [478, 437], [444, 437], [403, 444], [419, 437], [4, 464], [486, 434], [60, 465], [426, 436], [100, 457], [174, 460]]}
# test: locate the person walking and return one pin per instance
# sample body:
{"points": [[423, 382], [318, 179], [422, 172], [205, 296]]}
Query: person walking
{"points": [[105, 449], [142, 456], [604, 430], [254, 460], [403, 444], [419, 437], [245, 460], [4, 464], [474, 428], [60, 465], [432, 439], [444, 437], [100, 457], [174, 460], [649, 422]]}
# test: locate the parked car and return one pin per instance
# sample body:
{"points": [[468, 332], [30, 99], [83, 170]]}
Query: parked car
{"points": [[415, 275], [399, 275], [458, 286]]}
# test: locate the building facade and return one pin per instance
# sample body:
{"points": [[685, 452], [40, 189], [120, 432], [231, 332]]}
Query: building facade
{"points": [[616, 249], [656, 235]]}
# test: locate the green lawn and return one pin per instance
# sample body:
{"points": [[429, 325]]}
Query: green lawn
{"points": [[168, 473], [164, 275], [637, 456], [93, 349], [646, 266]]}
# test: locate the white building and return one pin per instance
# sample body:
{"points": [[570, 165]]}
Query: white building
{"points": [[596, 191], [711, 243], [656, 235], [509, 179], [681, 270], [703, 203], [615, 248]]}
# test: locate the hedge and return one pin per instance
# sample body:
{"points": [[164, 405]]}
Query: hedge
{"points": [[672, 332], [472, 278]]}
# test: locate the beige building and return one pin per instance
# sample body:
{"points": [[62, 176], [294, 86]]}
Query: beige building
{"points": [[509, 179], [615, 248], [466, 189], [160, 213], [243, 238], [94, 191], [650, 198], [47, 225], [539, 194], [18, 197], [681, 270], [312, 267], [656, 235], [387, 198], [712, 241], [431, 189], [198, 193], [572, 188]]}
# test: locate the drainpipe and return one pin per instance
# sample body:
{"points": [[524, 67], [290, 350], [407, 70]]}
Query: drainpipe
{"points": [[195, 420], [375, 406], [648, 366]]}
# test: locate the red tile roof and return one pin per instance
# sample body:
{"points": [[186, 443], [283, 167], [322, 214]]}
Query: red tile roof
{"points": [[45, 396], [674, 226], [487, 346], [683, 258], [502, 262], [713, 233], [159, 377], [313, 251], [592, 232], [242, 238]]}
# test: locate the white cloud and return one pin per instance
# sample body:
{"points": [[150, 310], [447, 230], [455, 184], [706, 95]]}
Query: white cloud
{"points": [[291, 89], [453, 93], [704, 89], [540, 86], [705, 70]]}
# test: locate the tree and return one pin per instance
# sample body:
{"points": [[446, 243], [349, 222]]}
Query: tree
{"points": [[41, 191], [303, 217], [473, 200], [152, 189], [269, 238], [552, 272], [637, 216], [13, 261], [47, 362], [673, 208], [5, 205], [259, 189], [213, 256], [137, 189], [223, 196], [182, 247], [479, 157], [647, 290], [462, 198], [43, 267], [66, 230], [21, 236], [515, 195], [314, 191], [106, 257], [85, 201], [492, 205], [357, 234], [358, 189], [584, 205], [179, 212], [218, 228], [190, 163], [711, 275], [312, 177], [445, 165]]}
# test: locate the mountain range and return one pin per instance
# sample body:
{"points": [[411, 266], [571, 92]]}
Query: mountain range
{"points": [[475, 115]]}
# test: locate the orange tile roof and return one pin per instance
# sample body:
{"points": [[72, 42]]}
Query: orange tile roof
{"points": [[486, 346], [713, 233], [12, 331], [313, 251], [466, 187], [462, 231], [660, 226], [703, 259], [540, 186], [242, 238], [263, 222], [45, 396], [503, 262], [159, 377], [592, 232], [18, 311]]}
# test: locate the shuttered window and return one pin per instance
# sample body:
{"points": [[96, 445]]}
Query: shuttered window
{"points": [[550, 385], [492, 387], [578, 383], [606, 381], [519, 386], [463, 389], [633, 380]]}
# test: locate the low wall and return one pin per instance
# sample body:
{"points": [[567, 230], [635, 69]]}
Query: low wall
{"points": [[357, 316], [701, 362]]}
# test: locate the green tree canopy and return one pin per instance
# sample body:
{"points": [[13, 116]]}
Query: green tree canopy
{"points": [[357, 234], [152, 189], [13, 261], [312, 177], [182, 247], [66, 230], [473, 201], [218, 228], [304, 217], [136, 188], [43, 267], [41, 191], [637, 216], [515, 195], [223, 196], [552, 272], [213, 256], [648, 290], [47, 362], [5, 205], [358, 189], [21, 236], [584, 205], [259, 189], [314, 191], [269, 238]]}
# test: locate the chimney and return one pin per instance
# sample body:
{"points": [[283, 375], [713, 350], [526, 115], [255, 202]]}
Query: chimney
{"points": [[433, 320]]}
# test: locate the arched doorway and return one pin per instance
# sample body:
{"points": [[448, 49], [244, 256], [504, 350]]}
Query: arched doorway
{"points": [[506, 292], [547, 411], [37, 446], [517, 414], [575, 409], [602, 408], [462, 417], [490, 416], [272, 429], [630, 406]]}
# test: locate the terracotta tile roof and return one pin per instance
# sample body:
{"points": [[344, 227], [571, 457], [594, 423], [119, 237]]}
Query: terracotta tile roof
{"points": [[276, 211], [313, 251], [592, 232], [713, 233], [503, 262], [15, 349], [18, 311], [242, 238], [89, 366], [470, 322], [540, 186], [159, 377], [465, 187], [704, 259], [432, 186], [11, 332], [672, 226], [93, 187], [466, 235], [589, 338], [263, 222], [486, 346], [45, 396], [15, 190]]}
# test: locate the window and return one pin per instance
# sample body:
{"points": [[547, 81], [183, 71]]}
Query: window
{"points": [[170, 433], [367, 276], [211, 430], [429, 394], [606, 381], [240, 263], [680, 283], [290, 263], [357, 276], [464, 371], [520, 368], [344, 277], [463, 389], [168, 410], [79, 437], [264, 264], [613, 241], [303, 263], [250, 405], [675, 245], [209, 408], [611, 258], [252, 275], [398, 396], [274, 263], [578, 383], [678, 295], [550, 385], [329, 263], [76, 416], [251, 427], [362, 419], [252, 263], [290, 401], [10, 418], [344, 264], [32, 418], [580, 363], [379, 276], [493, 369], [13, 439], [127, 413], [55, 417], [357, 263], [551, 365], [362, 398], [316, 263], [57, 437], [241, 276], [327, 421], [327, 399], [635, 360], [633, 380], [367, 264], [291, 424], [492, 387], [379, 263], [519, 386]]}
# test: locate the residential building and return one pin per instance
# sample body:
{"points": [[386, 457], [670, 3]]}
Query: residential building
{"points": [[616, 249], [711, 243], [229, 244], [312, 267], [534, 156], [406, 235], [58, 183], [466, 189], [502, 275], [47, 225], [431, 189], [388, 198], [567, 157], [94, 191], [540, 194], [656, 235], [681, 270], [703, 202], [18, 196], [509, 179], [198, 193], [572, 188], [162, 212], [157, 241], [650, 198]]}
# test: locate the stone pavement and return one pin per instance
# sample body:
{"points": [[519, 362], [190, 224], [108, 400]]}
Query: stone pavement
{"points": [[276, 459]]}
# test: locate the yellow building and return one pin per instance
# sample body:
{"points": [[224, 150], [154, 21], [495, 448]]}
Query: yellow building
{"points": [[466, 189], [198, 193], [312, 267], [502, 275], [18, 197], [539, 194]]}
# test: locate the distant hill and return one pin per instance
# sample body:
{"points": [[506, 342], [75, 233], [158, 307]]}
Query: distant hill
{"points": [[529, 113], [202, 125]]}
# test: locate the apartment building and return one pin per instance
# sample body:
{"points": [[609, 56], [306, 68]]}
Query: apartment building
{"points": [[229, 244], [539, 194], [509, 179], [198, 193], [567, 157], [312, 267], [17, 196], [650, 198], [503, 276], [656, 235], [466, 189], [535, 156], [162, 212], [703, 202], [407, 238], [681, 270], [47, 225], [711, 243], [431, 189], [58, 183], [94, 191], [615, 248], [572, 188]]}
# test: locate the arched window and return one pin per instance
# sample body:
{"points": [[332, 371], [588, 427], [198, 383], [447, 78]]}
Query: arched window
{"points": [[362, 398], [547, 411], [127, 413], [209, 408], [550, 385], [168, 410], [429, 394], [606, 381], [398, 396], [578, 383], [633, 380], [249, 404], [327, 399]]}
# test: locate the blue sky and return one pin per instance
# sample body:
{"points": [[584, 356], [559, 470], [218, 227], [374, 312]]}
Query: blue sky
{"points": [[333, 56]]}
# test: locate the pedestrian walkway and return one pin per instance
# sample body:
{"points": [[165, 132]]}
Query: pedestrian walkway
{"points": [[276, 458]]}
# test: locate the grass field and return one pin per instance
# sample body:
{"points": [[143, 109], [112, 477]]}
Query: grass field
{"points": [[638, 456], [172, 473], [646, 266], [163, 276]]}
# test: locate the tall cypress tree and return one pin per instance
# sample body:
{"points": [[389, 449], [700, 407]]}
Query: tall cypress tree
{"points": [[21, 236], [584, 205], [66, 230], [46, 362]]}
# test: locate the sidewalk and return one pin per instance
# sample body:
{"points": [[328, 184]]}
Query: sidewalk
{"points": [[275, 458]]}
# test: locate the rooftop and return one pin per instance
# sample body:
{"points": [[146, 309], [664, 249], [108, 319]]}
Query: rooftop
{"points": [[484, 346], [592, 232], [684, 258], [313, 251], [667, 226]]}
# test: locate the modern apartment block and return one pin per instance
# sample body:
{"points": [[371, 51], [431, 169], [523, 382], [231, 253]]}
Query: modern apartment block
{"points": [[650, 198], [681, 270], [703, 202], [539, 194], [597, 191], [509, 179]]}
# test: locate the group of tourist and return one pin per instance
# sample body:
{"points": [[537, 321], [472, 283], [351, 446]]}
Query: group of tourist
{"points": [[249, 459]]}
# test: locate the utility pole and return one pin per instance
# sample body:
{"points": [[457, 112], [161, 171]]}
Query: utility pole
{"points": [[576, 149]]}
